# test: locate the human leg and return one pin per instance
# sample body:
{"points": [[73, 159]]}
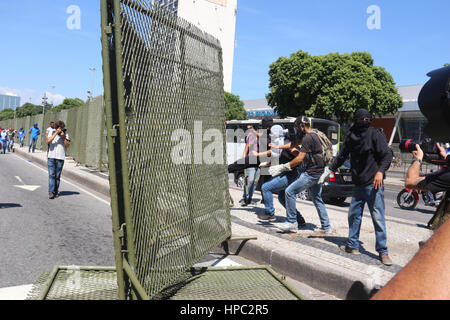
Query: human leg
{"points": [[355, 214], [377, 211]]}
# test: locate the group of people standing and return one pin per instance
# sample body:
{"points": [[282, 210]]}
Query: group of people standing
{"points": [[302, 165], [8, 138]]}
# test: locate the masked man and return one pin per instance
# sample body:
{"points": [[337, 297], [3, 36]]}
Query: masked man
{"points": [[370, 157]]}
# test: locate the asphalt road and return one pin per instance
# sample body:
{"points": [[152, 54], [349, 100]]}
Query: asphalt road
{"points": [[37, 233]]}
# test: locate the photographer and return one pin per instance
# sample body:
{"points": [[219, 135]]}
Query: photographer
{"points": [[434, 182], [57, 142]]}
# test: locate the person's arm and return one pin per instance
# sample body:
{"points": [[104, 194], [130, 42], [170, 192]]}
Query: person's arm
{"points": [[381, 148], [50, 138], [285, 146], [341, 157], [247, 147], [413, 177], [426, 276]]}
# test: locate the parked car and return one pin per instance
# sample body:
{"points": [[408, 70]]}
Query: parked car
{"points": [[336, 188]]}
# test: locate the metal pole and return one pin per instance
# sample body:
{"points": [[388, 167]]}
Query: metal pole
{"points": [[91, 93]]}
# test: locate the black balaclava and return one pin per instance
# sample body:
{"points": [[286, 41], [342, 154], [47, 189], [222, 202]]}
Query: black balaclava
{"points": [[359, 139], [361, 126]]}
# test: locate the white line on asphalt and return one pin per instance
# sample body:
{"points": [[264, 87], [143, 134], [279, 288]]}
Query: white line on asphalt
{"points": [[85, 191], [20, 180], [15, 293]]}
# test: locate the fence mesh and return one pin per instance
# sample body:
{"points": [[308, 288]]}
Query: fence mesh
{"points": [[172, 84]]}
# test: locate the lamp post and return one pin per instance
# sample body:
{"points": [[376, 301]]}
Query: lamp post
{"points": [[44, 102], [91, 92]]}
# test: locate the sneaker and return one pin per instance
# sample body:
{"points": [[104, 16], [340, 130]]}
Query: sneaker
{"points": [[57, 195], [349, 250], [288, 227], [301, 221], [323, 231], [243, 202], [51, 195], [249, 201], [384, 258], [267, 217]]}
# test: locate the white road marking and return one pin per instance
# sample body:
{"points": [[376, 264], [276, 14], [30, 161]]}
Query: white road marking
{"points": [[85, 191], [29, 188], [15, 293]]}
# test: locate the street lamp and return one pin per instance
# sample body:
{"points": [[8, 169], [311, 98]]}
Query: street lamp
{"points": [[53, 93], [91, 92], [44, 102]]}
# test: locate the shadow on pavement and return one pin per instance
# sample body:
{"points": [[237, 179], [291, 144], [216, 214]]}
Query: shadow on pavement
{"points": [[68, 193], [9, 205]]}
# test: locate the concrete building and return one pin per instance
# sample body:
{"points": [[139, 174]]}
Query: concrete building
{"points": [[8, 101], [218, 18]]}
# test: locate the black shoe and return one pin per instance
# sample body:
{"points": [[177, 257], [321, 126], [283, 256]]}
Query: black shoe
{"points": [[51, 195], [249, 201], [243, 203], [267, 217], [301, 221]]}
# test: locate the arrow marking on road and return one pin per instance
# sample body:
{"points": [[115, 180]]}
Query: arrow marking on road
{"points": [[29, 188], [25, 187]]}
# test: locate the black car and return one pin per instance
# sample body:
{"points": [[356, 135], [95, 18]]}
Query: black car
{"points": [[336, 188]]}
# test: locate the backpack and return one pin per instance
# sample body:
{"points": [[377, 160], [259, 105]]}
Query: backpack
{"points": [[327, 147]]}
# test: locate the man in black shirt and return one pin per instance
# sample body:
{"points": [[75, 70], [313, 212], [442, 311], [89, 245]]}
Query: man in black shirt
{"points": [[311, 156], [370, 157]]}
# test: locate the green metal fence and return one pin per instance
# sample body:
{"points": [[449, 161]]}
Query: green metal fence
{"points": [[161, 75], [85, 126]]}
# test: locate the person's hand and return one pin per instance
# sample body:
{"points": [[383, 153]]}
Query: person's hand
{"points": [[277, 170], [273, 146], [58, 131], [324, 175], [378, 181], [442, 151], [418, 154], [254, 153]]}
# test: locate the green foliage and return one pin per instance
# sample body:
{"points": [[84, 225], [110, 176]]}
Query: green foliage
{"points": [[331, 86], [68, 103], [29, 109], [7, 114], [234, 107]]}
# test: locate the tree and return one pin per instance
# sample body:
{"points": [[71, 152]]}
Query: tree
{"points": [[68, 103], [28, 109], [234, 107], [7, 114], [331, 86]]}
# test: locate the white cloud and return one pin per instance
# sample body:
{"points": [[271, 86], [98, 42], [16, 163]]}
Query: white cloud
{"points": [[55, 99]]}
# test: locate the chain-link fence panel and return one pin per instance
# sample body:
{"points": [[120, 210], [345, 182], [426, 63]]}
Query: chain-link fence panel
{"points": [[167, 91]]}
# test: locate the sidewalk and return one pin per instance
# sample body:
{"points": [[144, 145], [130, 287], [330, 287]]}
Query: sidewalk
{"points": [[307, 257]]}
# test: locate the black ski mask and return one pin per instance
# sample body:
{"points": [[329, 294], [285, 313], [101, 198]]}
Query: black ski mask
{"points": [[359, 139]]}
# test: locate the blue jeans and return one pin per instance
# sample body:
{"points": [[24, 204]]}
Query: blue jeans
{"points": [[278, 185], [4, 145], [21, 142], [55, 167], [303, 182], [375, 202], [252, 180], [32, 143]]}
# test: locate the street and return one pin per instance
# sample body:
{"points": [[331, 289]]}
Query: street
{"points": [[37, 233]]}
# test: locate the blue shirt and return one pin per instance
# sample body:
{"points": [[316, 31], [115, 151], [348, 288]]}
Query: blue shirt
{"points": [[21, 133], [34, 132]]}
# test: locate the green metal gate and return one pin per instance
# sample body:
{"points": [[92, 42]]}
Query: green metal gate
{"points": [[162, 75]]}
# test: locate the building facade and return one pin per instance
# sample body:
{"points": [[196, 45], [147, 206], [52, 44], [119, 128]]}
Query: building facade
{"points": [[7, 101]]}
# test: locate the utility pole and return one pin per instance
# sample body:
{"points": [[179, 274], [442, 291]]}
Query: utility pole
{"points": [[44, 102], [91, 92], [53, 94]]}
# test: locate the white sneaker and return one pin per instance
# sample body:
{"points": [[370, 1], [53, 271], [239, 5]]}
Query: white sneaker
{"points": [[323, 231], [288, 227]]}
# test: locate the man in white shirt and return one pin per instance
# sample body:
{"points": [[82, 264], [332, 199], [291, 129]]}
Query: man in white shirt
{"points": [[58, 141], [51, 129]]}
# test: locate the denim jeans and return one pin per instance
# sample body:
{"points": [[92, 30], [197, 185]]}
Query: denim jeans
{"points": [[278, 185], [303, 182], [55, 167], [375, 202], [252, 181], [4, 145], [32, 143], [21, 142]]}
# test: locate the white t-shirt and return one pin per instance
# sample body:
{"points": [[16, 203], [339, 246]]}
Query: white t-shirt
{"points": [[56, 148], [50, 131]]}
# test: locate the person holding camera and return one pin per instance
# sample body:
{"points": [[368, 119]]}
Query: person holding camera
{"points": [[58, 141], [370, 158], [433, 182]]}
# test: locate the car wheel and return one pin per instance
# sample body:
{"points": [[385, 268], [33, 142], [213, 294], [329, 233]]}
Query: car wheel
{"points": [[240, 181], [304, 195]]}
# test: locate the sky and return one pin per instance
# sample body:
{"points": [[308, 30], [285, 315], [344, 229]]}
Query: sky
{"points": [[45, 49]]}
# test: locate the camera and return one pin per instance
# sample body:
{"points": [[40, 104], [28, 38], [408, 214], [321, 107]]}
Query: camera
{"points": [[428, 146]]}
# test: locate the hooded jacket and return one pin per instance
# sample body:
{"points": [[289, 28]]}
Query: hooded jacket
{"points": [[369, 153]]}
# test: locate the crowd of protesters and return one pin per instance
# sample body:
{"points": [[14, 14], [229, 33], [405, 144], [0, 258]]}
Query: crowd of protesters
{"points": [[296, 163]]}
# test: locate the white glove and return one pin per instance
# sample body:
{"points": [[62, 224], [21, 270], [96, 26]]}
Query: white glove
{"points": [[264, 164], [324, 175], [277, 170]]}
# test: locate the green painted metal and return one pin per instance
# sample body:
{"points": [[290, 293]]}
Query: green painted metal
{"points": [[168, 76]]}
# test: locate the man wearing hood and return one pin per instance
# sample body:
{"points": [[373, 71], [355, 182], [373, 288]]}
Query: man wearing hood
{"points": [[370, 158]]}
